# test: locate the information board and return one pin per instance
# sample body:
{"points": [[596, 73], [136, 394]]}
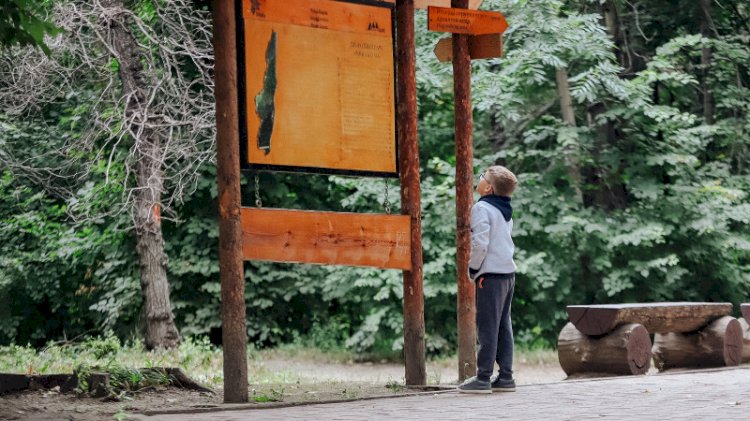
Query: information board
{"points": [[317, 86]]}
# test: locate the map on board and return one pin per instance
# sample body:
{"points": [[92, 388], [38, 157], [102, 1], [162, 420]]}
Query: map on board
{"points": [[319, 86]]}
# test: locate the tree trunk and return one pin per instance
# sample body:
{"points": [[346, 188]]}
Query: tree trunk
{"points": [[627, 351], [568, 115], [160, 327], [612, 21], [745, 340], [718, 345], [707, 30]]}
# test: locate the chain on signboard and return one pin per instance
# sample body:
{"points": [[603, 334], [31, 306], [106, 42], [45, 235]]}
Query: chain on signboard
{"points": [[258, 202], [386, 201]]}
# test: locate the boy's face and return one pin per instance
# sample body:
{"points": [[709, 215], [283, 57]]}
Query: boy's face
{"points": [[483, 187]]}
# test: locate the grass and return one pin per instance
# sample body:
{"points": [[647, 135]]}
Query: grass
{"points": [[202, 361]]}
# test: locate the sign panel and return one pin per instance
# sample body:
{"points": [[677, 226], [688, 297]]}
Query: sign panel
{"points": [[331, 238], [318, 86], [480, 46], [465, 21], [423, 4]]}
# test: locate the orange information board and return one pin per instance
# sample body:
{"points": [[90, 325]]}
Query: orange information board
{"points": [[318, 86], [464, 21]]}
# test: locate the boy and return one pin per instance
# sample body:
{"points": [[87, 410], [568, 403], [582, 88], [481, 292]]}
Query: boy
{"points": [[492, 268]]}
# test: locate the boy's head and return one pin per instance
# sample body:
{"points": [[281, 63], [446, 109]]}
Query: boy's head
{"points": [[497, 180]]}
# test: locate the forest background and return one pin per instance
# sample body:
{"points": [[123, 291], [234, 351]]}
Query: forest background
{"points": [[627, 123]]}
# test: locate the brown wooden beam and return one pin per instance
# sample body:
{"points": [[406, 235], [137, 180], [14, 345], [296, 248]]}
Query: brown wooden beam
{"points": [[234, 331], [329, 238], [467, 337], [408, 151], [600, 319]]}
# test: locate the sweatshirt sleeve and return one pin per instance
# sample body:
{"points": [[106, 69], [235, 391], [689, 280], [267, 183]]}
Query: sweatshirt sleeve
{"points": [[480, 238]]}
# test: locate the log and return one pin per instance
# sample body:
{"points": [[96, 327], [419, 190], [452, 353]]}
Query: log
{"points": [[655, 317], [627, 351], [717, 345], [745, 340], [745, 307], [13, 383]]}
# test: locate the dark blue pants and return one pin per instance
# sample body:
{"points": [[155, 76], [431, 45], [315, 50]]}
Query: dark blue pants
{"points": [[494, 329]]}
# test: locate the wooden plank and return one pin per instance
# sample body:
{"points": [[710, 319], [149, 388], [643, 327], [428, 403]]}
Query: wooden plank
{"points": [[480, 47], [331, 238], [424, 4], [655, 317], [745, 308], [464, 21]]}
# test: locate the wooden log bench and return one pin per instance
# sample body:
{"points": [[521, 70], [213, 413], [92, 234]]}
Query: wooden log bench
{"points": [[745, 325], [686, 334]]}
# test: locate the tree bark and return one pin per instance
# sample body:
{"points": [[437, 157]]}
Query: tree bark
{"points": [[708, 31], [718, 345], [161, 331], [569, 117], [627, 351], [745, 340]]}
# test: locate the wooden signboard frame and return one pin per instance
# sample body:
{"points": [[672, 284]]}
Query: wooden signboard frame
{"points": [[346, 132]]}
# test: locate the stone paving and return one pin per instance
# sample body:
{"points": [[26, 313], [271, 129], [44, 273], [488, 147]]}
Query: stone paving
{"points": [[692, 395]]}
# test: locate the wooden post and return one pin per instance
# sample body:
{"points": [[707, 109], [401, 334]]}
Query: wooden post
{"points": [[408, 151], [234, 332], [467, 337]]}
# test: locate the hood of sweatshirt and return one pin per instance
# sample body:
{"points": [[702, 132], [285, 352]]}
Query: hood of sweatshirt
{"points": [[502, 203]]}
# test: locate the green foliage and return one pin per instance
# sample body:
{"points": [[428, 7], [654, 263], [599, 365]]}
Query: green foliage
{"points": [[19, 25]]}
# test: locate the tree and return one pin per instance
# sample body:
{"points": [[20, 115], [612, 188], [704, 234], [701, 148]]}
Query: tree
{"points": [[146, 73], [20, 26]]}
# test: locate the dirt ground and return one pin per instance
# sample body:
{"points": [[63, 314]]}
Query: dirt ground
{"points": [[293, 382]]}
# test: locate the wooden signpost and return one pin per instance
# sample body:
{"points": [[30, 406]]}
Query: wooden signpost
{"points": [[319, 86], [464, 24], [423, 4], [463, 21], [312, 88], [480, 47]]}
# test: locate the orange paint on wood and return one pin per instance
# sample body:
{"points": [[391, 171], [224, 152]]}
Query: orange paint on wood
{"points": [[334, 99], [463, 21], [423, 4], [330, 238], [480, 47], [321, 14]]}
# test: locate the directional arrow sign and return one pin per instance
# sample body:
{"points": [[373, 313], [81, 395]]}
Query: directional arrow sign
{"points": [[480, 46], [464, 21], [423, 4]]}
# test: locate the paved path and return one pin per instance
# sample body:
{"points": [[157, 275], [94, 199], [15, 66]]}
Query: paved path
{"points": [[698, 395]]}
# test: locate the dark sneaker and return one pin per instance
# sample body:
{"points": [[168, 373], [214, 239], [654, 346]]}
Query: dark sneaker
{"points": [[503, 385], [474, 385]]}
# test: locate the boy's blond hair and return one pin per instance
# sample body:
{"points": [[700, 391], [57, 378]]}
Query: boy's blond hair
{"points": [[502, 180]]}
